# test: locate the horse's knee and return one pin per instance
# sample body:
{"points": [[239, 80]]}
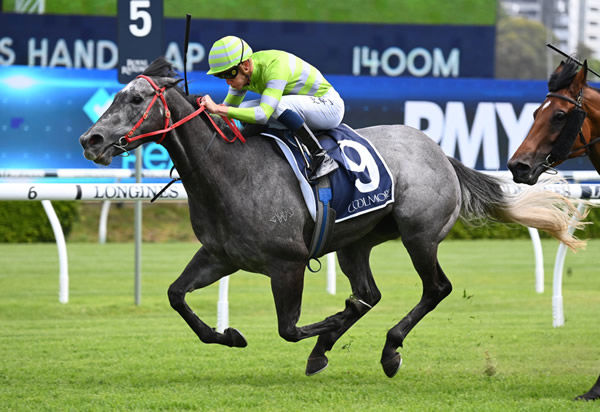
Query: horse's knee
{"points": [[290, 334], [176, 297]]}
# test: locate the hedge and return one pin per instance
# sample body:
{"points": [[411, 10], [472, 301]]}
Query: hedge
{"points": [[26, 222]]}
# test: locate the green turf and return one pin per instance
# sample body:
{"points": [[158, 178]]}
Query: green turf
{"points": [[378, 11], [489, 346]]}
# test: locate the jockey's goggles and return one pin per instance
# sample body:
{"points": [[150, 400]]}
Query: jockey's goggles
{"points": [[229, 73]]}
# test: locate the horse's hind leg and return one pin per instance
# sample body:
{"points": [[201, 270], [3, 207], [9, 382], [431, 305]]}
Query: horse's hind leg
{"points": [[354, 262], [203, 270], [436, 287]]}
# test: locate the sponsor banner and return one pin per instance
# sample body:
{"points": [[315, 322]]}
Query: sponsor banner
{"points": [[342, 48], [479, 121]]}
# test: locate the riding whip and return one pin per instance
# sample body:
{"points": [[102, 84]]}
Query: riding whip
{"points": [[556, 49], [188, 19]]}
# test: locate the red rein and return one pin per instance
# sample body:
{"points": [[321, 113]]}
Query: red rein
{"points": [[159, 92]]}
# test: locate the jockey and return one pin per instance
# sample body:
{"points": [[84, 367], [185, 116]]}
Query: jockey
{"points": [[293, 94]]}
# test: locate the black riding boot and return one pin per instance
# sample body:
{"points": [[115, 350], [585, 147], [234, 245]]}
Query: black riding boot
{"points": [[321, 164]]}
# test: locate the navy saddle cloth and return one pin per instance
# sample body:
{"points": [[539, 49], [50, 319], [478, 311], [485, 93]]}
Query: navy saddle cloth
{"points": [[361, 184]]}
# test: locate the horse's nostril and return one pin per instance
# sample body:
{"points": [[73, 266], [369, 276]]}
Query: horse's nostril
{"points": [[518, 167], [89, 141], [95, 139], [522, 172]]}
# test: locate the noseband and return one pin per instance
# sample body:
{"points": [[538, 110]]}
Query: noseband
{"points": [[169, 125]]}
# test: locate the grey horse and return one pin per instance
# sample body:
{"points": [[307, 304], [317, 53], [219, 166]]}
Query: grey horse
{"points": [[235, 189]]}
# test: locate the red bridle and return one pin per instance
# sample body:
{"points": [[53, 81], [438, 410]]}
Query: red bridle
{"points": [[159, 92]]}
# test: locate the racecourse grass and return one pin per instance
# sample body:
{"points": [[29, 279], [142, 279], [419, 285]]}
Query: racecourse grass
{"points": [[489, 346]]}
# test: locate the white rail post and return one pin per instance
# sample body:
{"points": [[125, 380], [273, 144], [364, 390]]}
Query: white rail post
{"points": [[223, 305], [558, 314], [539, 259], [63, 276], [331, 273], [103, 222], [137, 228]]}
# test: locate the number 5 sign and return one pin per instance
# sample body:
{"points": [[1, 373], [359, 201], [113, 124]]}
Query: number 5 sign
{"points": [[140, 35]]}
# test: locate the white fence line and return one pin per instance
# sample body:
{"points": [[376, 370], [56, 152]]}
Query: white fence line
{"points": [[90, 191], [83, 173], [114, 173]]}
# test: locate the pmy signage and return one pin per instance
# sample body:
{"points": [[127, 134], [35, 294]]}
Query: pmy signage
{"points": [[353, 49]]}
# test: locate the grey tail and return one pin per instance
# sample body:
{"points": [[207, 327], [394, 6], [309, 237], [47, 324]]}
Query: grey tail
{"points": [[482, 195]]}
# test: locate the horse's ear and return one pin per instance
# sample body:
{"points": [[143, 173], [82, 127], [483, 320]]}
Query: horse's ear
{"points": [[580, 78]]}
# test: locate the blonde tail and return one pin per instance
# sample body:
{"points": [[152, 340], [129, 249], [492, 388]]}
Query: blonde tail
{"points": [[547, 211]]}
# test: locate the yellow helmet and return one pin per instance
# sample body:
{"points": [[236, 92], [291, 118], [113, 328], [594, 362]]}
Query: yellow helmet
{"points": [[226, 53]]}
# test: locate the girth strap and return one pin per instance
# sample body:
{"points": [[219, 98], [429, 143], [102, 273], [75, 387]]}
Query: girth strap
{"points": [[324, 223]]}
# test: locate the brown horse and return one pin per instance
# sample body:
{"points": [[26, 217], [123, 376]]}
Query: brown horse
{"points": [[566, 125]]}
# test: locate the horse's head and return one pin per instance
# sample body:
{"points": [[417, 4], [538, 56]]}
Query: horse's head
{"points": [[557, 122], [137, 110]]}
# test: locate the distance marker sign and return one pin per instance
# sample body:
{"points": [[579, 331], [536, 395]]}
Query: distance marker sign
{"points": [[140, 36]]}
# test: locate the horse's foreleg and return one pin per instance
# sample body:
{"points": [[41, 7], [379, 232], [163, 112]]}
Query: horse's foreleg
{"points": [[436, 287], [203, 270], [287, 286], [354, 262]]}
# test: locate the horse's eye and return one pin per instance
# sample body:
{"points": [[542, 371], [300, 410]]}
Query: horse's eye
{"points": [[137, 99], [560, 116]]}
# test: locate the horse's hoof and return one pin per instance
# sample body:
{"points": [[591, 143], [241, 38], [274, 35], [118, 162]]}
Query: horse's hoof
{"points": [[589, 396], [391, 365], [316, 365], [235, 338]]}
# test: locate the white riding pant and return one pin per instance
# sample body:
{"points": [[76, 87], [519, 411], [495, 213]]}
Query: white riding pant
{"points": [[319, 113]]}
